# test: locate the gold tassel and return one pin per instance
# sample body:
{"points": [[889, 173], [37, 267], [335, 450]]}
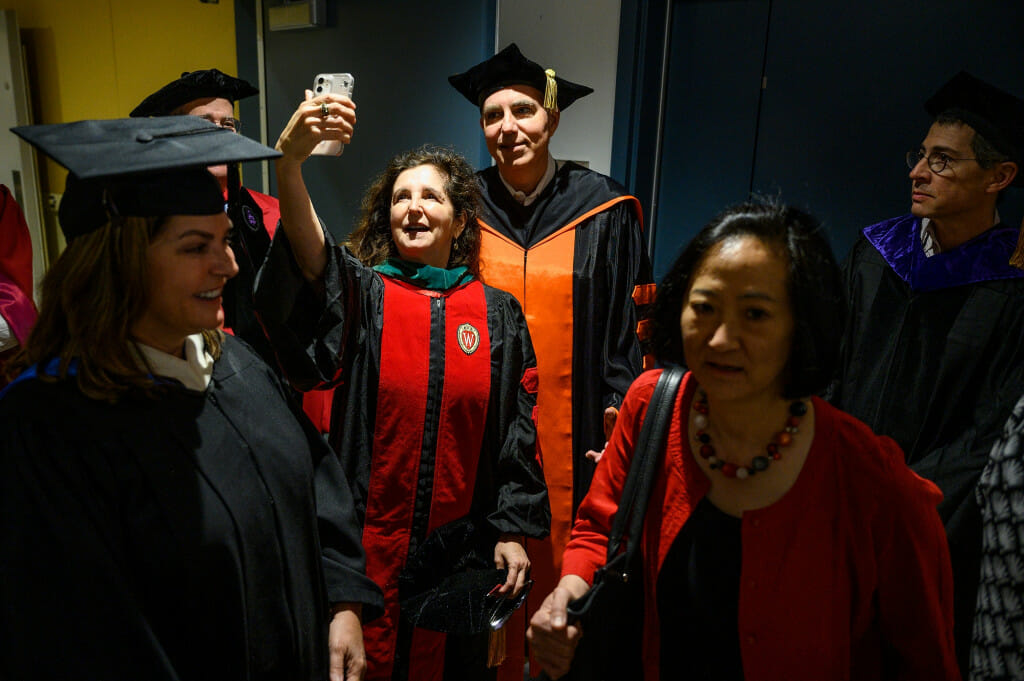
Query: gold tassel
{"points": [[496, 648], [551, 91]]}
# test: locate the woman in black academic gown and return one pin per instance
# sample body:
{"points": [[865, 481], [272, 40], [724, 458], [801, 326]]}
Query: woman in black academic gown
{"points": [[165, 515], [434, 388]]}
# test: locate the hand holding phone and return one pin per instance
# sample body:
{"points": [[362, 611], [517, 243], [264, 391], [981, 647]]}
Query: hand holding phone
{"points": [[338, 84]]}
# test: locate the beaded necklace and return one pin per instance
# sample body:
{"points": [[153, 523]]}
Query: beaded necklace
{"points": [[760, 463]]}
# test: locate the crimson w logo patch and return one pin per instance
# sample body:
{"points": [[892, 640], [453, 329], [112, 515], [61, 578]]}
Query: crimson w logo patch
{"points": [[469, 338]]}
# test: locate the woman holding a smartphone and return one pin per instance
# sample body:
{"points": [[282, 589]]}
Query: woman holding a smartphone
{"points": [[433, 379]]}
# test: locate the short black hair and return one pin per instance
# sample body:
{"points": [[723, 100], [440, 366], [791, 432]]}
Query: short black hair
{"points": [[985, 153], [815, 289]]}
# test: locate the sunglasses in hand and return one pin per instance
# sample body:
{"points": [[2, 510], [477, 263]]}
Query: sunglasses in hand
{"points": [[500, 607]]}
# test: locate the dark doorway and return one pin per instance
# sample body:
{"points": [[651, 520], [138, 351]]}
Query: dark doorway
{"points": [[812, 102]]}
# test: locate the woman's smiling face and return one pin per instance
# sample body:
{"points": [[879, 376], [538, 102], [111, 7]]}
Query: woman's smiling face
{"points": [[737, 321], [423, 221], [187, 264]]}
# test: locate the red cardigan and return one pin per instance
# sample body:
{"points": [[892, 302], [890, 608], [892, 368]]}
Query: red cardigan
{"points": [[847, 576]]}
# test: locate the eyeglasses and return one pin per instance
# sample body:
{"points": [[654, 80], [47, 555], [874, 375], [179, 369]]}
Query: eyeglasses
{"points": [[232, 124], [503, 607], [938, 161]]}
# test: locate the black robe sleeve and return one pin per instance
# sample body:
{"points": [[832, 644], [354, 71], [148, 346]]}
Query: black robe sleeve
{"points": [[519, 504], [342, 555], [621, 354], [310, 327], [344, 560]]}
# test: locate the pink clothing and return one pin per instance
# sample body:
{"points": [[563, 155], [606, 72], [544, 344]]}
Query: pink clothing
{"points": [[846, 577], [16, 305]]}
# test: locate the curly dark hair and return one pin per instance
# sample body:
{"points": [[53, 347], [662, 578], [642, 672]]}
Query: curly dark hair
{"points": [[371, 241], [815, 289]]}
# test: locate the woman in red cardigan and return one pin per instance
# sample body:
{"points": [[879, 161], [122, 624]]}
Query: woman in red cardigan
{"points": [[783, 539]]}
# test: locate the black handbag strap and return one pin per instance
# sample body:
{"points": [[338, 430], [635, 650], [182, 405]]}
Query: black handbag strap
{"points": [[636, 491]]}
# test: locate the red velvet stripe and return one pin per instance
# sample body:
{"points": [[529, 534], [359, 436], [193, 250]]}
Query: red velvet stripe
{"points": [[398, 435], [398, 438], [467, 386]]}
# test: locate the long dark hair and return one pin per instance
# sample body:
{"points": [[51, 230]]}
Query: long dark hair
{"points": [[91, 297]]}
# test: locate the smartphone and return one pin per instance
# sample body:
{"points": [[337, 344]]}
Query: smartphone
{"points": [[338, 84]]}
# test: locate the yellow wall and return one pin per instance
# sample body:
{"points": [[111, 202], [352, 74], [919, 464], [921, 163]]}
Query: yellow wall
{"points": [[99, 58]]}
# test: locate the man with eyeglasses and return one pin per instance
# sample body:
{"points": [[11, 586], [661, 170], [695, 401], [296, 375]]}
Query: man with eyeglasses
{"points": [[210, 94], [932, 354]]}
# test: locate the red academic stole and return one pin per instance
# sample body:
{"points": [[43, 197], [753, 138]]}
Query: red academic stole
{"points": [[407, 348]]}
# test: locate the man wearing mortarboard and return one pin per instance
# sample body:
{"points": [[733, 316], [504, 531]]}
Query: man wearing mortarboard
{"points": [[567, 242], [211, 94], [932, 354]]}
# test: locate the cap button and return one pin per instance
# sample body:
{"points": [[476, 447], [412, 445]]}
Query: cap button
{"points": [[144, 137]]}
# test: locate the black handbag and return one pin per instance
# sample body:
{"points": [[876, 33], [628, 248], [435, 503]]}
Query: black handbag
{"points": [[446, 582], [611, 612]]}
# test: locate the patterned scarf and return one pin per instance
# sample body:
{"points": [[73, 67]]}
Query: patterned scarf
{"points": [[997, 650]]}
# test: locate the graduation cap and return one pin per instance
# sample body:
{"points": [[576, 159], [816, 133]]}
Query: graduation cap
{"points": [[142, 167], [994, 114], [191, 86], [510, 67]]}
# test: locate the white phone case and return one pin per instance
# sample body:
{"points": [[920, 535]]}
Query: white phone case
{"points": [[339, 84]]}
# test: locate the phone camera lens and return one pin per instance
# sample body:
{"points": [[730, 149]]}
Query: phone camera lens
{"points": [[320, 80]]}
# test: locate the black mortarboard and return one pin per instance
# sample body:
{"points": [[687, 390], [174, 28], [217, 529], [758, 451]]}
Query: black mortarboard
{"points": [[510, 67], [143, 167], [994, 114], [191, 86]]}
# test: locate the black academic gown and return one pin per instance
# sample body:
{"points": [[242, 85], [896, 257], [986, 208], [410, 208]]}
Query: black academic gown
{"points": [[183, 537], [938, 370], [432, 418], [254, 217]]}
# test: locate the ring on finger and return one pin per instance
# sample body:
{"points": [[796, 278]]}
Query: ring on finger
{"points": [[324, 111]]}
